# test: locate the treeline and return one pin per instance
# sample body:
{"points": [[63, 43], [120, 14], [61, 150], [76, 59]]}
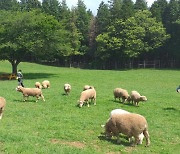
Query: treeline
{"points": [[121, 32]]}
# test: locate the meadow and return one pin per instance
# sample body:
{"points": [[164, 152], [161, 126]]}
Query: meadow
{"points": [[59, 126]]}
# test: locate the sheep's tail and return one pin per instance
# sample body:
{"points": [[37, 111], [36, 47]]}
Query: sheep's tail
{"points": [[146, 134]]}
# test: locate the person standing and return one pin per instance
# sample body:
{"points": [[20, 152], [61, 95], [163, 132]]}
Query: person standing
{"points": [[20, 78]]}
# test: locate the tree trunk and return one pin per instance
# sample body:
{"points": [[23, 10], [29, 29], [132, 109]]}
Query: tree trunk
{"points": [[14, 64]]}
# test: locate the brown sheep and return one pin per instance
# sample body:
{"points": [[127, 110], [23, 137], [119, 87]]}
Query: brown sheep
{"points": [[136, 97], [121, 93], [67, 88], [45, 84], [2, 106], [86, 95], [30, 92], [38, 85], [130, 124]]}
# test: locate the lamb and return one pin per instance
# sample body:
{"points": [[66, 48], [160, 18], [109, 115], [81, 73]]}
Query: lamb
{"points": [[130, 124], [121, 93], [67, 88], [120, 112], [46, 84], [2, 106], [136, 97], [86, 95], [30, 92], [38, 85]]}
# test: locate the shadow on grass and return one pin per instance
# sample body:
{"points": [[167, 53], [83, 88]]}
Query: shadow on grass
{"points": [[114, 141], [27, 101], [119, 102], [170, 109], [30, 76]]}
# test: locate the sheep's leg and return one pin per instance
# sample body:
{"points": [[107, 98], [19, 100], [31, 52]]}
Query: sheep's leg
{"points": [[136, 141], [146, 134], [118, 139], [94, 101], [1, 113], [42, 97]]}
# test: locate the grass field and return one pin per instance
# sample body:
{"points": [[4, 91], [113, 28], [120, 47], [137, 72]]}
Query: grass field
{"points": [[59, 126]]}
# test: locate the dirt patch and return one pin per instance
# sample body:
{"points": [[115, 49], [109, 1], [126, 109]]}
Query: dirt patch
{"points": [[76, 144]]}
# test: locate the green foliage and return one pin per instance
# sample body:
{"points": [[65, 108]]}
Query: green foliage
{"points": [[30, 33], [142, 34], [140, 5], [59, 126]]}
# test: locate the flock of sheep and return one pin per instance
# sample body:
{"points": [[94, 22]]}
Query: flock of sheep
{"points": [[134, 126]]}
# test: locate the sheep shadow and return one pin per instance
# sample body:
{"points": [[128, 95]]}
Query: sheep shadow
{"points": [[120, 102], [22, 101], [114, 141]]}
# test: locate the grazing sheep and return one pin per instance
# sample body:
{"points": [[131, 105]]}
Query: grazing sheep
{"points": [[120, 112], [121, 93], [86, 95], [38, 85], [2, 106], [136, 97], [46, 84], [86, 87], [67, 88], [130, 124], [30, 92]]}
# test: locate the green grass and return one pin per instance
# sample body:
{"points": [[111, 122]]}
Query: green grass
{"points": [[59, 126]]}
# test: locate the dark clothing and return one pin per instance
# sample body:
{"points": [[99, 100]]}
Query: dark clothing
{"points": [[20, 78]]}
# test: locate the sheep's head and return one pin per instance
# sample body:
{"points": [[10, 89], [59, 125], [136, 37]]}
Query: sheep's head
{"points": [[81, 103], [143, 98], [19, 88]]}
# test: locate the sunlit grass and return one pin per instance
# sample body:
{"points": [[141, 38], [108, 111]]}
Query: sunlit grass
{"points": [[59, 126]]}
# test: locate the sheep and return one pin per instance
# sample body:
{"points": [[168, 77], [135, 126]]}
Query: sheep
{"points": [[121, 93], [120, 112], [86, 95], [46, 84], [30, 92], [86, 87], [38, 85], [136, 97], [2, 106], [67, 88], [178, 89], [130, 124]]}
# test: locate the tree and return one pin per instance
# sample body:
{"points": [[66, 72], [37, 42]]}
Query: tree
{"points": [[115, 9], [127, 9], [28, 5], [158, 10], [140, 5], [82, 23], [9, 5], [102, 18], [142, 33], [24, 34], [51, 7]]}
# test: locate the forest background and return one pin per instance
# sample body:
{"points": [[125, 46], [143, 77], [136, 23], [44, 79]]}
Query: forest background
{"points": [[123, 34]]}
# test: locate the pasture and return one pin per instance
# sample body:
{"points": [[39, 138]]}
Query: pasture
{"points": [[59, 126]]}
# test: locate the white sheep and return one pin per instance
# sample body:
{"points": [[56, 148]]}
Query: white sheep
{"points": [[120, 112], [121, 93], [2, 106], [130, 124], [86, 87], [86, 95], [30, 92], [67, 88], [136, 97], [38, 85], [46, 84]]}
